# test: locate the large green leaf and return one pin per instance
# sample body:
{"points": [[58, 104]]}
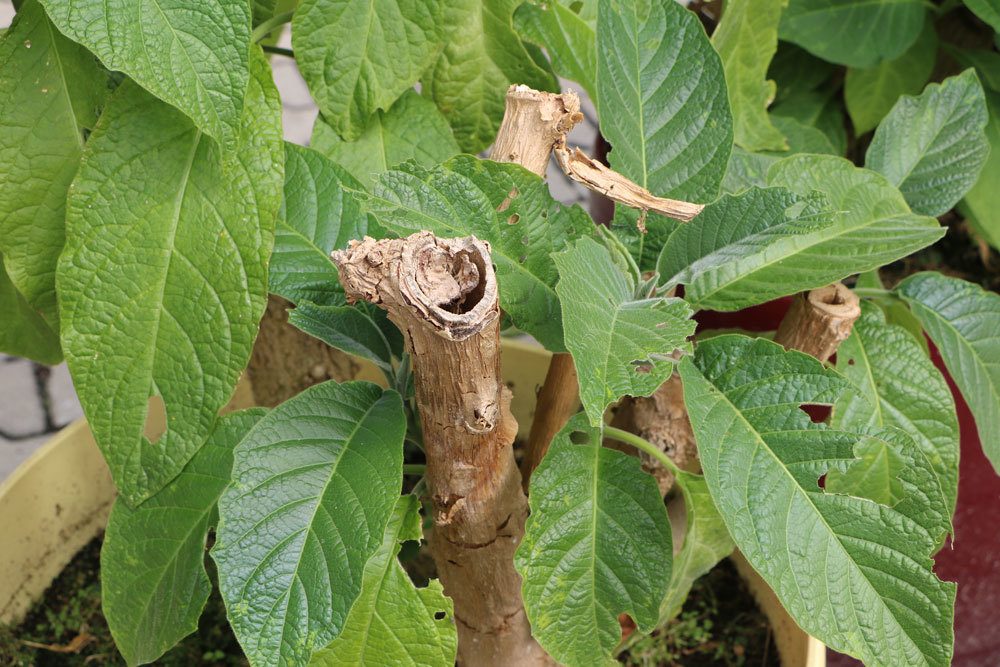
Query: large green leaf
{"points": [[821, 109], [153, 579], [747, 169], [932, 147], [597, 544], [982, 203], [314, 485], [194, 56], [569, 40], [746, 40], [363, 330], [870, 92], [23, 332], [358, 56], [853, 33], [661, 94], [706, 542], [855, 574], [899, 386], [644, 246], [412, 129], [319, 215], [622, 343], [504, 204], [164, 276], [481, 58], [393, 622], [987, 10], [963, 320], [51, 91]]}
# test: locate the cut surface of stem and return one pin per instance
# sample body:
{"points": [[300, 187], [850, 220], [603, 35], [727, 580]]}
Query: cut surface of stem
{"points": [[442, 294], [819, 320]]}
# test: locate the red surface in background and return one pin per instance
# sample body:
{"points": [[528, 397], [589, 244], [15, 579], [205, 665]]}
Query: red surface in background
{"points": [[973, 559]]}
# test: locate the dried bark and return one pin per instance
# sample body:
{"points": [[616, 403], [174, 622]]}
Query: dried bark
{"points": [[285, 360], [819, 320], [442, 294]]}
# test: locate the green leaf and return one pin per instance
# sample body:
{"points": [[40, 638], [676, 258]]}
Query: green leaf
{"points": [[621, 344], [795, 70], [963, 320], [986, 63], [164, 275], [319, 215], [855, 574], [503, 204], [645, 246], [932, 147], [51, 91], [982, 203], [706, 541], [871, 92], [263, 10], [481, 58], [748, 169], [597, 544], [314, 485], [898, 385], [987, 10], [820, 109], [663, 102], [746, 39], [393, 622], [153, 579], [363, 330], [358, 56], [848, 32], [569, 40], [194, 57], [412, 129], [23, 332]]}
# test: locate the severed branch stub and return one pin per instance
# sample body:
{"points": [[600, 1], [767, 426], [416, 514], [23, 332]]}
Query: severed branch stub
{"points": [[819, 320], [442, 294]]}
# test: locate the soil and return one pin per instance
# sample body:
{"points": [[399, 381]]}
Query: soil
{"points": [[720, 626]]}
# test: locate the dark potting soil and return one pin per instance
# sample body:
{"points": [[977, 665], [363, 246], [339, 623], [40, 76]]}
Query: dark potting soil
{"points": [[720, 626]]}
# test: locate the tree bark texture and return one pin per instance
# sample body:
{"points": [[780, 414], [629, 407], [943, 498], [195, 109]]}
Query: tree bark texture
{"points": [[442, 294], [819, 320]]}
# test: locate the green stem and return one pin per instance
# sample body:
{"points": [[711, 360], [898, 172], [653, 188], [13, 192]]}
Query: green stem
{"points": [[265, 28], [278, 50], [414, 468], [644, 445]]}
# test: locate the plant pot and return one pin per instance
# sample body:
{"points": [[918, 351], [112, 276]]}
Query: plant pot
{"points": [[59, 499]]}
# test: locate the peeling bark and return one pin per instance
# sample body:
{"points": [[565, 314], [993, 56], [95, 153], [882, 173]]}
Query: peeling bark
{"points": [[819, 320], [442, 294]]}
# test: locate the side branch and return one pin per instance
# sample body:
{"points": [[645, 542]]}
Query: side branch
{"points": [[819, 320]]}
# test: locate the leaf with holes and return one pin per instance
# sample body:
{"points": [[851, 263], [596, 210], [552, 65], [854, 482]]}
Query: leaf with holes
{"points": [[192, 55], [482, 56], [622, 344], [855, 574], [318, 215], [706, 541], [963, 320], [393, 622], [932, 147], [746, 39], [568, 39], [359, 56], [153, 579], [164, 275], [314, 484], [899, 386], [51, 92], [848, 32], [412, 129], [663, 102], [503, 204], [597, 544]]}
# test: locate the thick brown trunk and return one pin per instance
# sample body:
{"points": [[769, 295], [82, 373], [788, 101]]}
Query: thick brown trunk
{"points": [[285, 361], [819, 320], [442, 294]]}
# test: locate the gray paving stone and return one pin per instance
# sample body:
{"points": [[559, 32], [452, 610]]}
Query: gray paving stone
{"points": [[20, 405], [64, 406], [13, 454]]}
